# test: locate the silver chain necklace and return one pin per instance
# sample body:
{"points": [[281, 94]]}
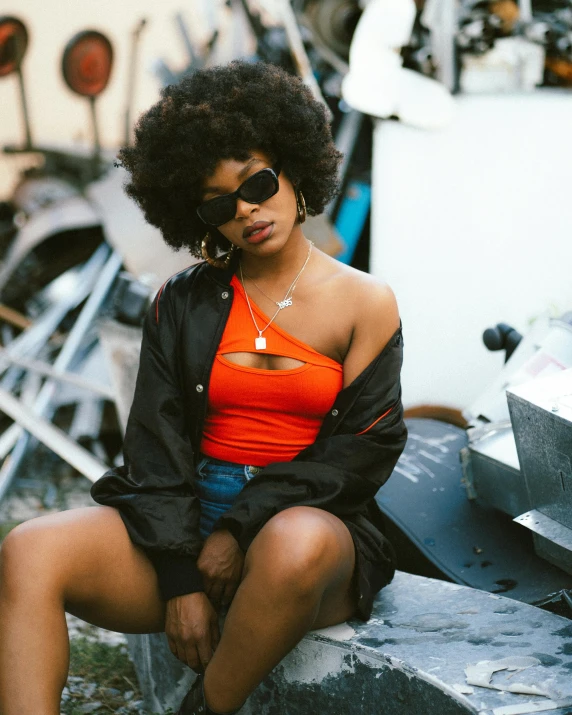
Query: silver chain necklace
{"points": [[287, 300], [286, 303], [260, 341]]}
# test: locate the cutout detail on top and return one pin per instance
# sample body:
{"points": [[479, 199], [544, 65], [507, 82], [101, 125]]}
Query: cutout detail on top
{"points": [[263, 362]]}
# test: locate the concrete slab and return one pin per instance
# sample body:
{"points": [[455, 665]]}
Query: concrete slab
{"points": [[430, 647]]}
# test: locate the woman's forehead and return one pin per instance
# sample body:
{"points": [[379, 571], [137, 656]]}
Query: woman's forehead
{"points": [[230, 170]]}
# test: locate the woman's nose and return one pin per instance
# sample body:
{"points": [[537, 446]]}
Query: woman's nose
{"points": [[244, 209]]}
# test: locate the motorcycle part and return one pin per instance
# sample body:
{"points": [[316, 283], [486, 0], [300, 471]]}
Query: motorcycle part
{"points": [[502, 337], [13, 46], [133, 64], [87, 62], [86, 65]]}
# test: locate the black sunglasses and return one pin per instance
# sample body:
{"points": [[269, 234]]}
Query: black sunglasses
{"points": [[256, 189]]}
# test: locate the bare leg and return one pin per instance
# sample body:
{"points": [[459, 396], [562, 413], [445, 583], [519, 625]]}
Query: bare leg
{"points": [[81, 560], [297, 576]]}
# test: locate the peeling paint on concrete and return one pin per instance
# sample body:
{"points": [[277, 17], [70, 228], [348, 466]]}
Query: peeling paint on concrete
{"points": [[480, 674], [315, 664], [409, 657], [341, 632], [463, 689], [433, 622], [525, 708]]}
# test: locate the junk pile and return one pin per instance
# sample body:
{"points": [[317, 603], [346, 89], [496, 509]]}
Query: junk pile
{"points": [[63, 240], [505, 45], [79, 267]]}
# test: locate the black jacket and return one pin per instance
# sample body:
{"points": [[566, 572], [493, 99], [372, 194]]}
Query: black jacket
{"points": [[353, 455]]}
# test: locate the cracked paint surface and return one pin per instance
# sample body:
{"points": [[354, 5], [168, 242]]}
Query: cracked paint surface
{"points": [[412, 655], [410, 658]]}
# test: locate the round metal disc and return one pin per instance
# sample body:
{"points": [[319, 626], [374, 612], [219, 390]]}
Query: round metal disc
{"points": [[87, 63], [13, 44]]}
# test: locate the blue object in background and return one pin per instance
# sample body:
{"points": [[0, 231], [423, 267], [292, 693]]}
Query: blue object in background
{"points": [[352, 216]]}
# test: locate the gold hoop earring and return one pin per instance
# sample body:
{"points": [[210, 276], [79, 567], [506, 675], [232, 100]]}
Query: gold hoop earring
{"points": [[301, 206], [219, 261]]}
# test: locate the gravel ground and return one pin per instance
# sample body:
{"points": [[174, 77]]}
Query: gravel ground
{"points": [[102, 678]]}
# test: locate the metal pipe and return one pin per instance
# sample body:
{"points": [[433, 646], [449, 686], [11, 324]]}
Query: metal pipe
{"points": [[525, 7], [135, 38], [346, 137], [181, 24], [52, 437], [298, 52], [96, 158], [30, 342], [14, 434], [25, 112], [43, 368]]}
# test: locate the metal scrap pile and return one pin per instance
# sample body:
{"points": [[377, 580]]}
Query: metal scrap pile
{"points": [[59, 277], [546, 24]]}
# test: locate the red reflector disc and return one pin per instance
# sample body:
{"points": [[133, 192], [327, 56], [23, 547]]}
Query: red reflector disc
{"points": [[13, 44], [87, 63]]}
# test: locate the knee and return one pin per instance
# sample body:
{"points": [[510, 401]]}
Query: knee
{"points": [[298, 547], [21, 557], [11, 557]]}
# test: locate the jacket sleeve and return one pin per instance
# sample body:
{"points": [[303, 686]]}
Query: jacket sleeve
{"points": [[154, 490], [339, 473]]}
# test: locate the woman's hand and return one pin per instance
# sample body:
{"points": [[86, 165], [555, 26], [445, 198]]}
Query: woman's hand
{"points": [[220, 562], [191, 625]]}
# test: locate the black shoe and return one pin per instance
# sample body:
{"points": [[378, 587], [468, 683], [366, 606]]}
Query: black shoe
{"points": [[194, 702]]}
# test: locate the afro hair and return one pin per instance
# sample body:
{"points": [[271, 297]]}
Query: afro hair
{"points": [[225, 113]]}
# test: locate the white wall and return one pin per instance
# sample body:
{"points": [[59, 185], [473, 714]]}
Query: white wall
{"points": [[472, 226]]}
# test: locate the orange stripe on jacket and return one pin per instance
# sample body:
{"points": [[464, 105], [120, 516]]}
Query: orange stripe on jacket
{"points": [[157, 299], [367, 429]]}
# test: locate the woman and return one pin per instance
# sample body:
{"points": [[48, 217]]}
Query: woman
{"points": [[266, 416]]}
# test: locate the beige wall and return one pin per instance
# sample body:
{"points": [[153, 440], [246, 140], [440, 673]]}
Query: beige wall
{"points": [[60, 117]]}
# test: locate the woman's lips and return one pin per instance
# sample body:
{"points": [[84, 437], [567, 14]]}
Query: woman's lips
{"points": [[258, 232]]}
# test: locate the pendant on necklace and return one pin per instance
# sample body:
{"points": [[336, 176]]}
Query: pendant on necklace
{"points": [[286, 303], [260, 343]]}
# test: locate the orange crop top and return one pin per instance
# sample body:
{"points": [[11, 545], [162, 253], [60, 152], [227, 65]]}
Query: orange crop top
{"points": [[258, 416]]}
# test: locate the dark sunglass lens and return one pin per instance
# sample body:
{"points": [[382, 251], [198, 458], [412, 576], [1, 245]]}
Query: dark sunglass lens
{"points": [[218, 211], [259, 187]]}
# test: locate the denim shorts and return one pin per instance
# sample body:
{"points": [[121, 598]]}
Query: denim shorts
{"points": [[218, 484]]}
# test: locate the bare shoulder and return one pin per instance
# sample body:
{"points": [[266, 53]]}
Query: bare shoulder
{"points": [[370, 293], [372, 301], [374, 316]]}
